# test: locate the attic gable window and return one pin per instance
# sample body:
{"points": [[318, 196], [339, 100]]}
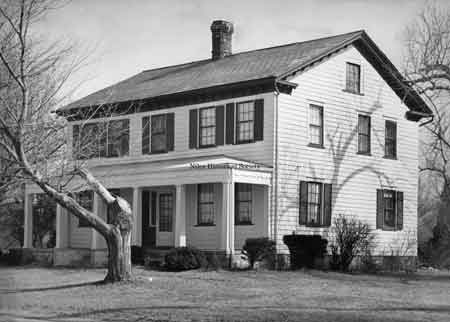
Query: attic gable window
{"points": [[390, 140], [353, 78], [315, 126]]}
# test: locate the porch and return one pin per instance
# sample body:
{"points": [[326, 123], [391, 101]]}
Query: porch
{"points": [[211, 203]]}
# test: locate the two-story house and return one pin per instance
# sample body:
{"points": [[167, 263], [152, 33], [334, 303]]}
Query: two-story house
{"points": [[260, 143]]}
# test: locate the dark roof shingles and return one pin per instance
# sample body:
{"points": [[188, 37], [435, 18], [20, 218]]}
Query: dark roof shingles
{"points": [[240, 67]]}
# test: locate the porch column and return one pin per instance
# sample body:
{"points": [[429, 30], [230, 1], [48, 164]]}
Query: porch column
{"points": [[227, 226], [62, 227], [136, 236], [180, 216], [267, 205], [28, 221], [96, 208]]}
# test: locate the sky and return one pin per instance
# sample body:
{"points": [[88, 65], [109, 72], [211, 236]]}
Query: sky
{"points": [[125, 37]]}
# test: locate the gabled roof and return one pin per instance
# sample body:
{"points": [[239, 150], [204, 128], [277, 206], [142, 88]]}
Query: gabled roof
{"points": [[274, 63]]}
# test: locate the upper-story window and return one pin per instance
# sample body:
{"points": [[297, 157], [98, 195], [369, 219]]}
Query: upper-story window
{"points": [[245, 122], [159, 136], [158, 133], [102, 139], [315, 125], [363, 134], [235, 123], [353, 78], [390, 140], [207, 127]]}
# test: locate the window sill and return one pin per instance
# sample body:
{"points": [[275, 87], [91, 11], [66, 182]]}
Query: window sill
{"points": [[244, 224], [317, 146], [390, 158], [158, 152], [352, 92], [245, 142], [207, 146], [364, 153], [205, 225]]}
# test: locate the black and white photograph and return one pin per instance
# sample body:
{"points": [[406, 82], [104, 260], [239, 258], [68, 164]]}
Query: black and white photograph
{"points": [[224, 161]]}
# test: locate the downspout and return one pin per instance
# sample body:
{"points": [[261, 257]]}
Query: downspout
{"points": [[275, 179]]}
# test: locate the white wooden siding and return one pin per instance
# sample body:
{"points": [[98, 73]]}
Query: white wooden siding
{"points": [[355, 178], [80, 237]]}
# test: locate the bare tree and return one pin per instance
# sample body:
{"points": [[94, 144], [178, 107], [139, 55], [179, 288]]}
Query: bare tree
{"points": [[33, 141], [427, 68]]}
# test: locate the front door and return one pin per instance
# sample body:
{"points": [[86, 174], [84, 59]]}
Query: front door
{"points": [[149, 202]]}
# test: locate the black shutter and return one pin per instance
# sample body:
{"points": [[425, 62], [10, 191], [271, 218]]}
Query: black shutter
{"points": [[230, 124], [303, 202], [76, 142], [395, 139], [380, 208], [219, 125], [170, 130], [259, 120], [399, 204], [193, 126], [327, 199], [146, 135]]}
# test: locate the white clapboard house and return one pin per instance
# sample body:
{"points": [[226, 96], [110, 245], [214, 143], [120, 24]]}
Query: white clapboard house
{"points": [[267, 142]]}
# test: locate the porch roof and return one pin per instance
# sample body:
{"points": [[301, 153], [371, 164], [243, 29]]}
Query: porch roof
{"points": [[191, 170]]}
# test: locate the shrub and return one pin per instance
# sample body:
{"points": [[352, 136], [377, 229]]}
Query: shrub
{"points": [[305, 249], [212, 261], [136, 255], [258, 249], [352, 237], [184, 258]]}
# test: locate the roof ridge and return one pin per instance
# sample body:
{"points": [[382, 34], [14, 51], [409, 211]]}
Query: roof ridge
{"points": [[254, 50]]}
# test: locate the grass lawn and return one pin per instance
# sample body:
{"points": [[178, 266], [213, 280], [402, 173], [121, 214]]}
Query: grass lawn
{"points": [[38, 294]]}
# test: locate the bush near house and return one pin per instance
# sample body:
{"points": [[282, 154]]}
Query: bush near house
{"points": [[351, 237], [305, 249], [258, 249], [185, 258]]}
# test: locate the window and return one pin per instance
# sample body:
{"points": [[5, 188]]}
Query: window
{"points": [[245, 117], [165, 212], [243, 204], [363, 134], [103, 139], [389, 209], [86, 200], [207, 127], [205, 204], [158, 128], [315, 204], [316, 125], [390, 140], [353, 78]]}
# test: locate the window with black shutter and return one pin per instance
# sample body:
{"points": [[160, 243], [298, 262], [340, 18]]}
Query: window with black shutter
{"points": [[245, 120], [315, 204], [389, 209], [390, 140], [158, 133], [363, 134], [315, 126], [205, 205]]}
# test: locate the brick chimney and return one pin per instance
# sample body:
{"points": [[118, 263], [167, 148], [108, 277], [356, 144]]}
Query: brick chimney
{"points": [[221, 38]]}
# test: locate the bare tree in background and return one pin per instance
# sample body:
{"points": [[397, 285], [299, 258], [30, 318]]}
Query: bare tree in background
{"points": [[427, 67], [33, 142]]}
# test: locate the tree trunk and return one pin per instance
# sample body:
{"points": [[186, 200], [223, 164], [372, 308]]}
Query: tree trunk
{"points": [[118, 240], [119, 256]]}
